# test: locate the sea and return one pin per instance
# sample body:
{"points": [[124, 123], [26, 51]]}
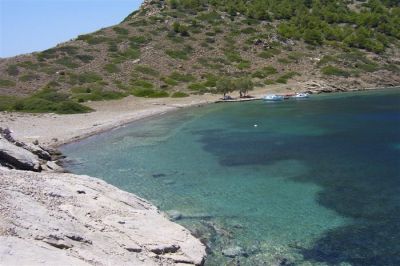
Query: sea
{"points": [[299, 182]]}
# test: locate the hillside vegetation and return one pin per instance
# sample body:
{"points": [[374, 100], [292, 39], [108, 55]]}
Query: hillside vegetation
{"points": [[180, 47]]}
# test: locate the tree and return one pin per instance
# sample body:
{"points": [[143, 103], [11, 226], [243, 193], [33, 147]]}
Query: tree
{"points": [[224, 85], [244, 85]]}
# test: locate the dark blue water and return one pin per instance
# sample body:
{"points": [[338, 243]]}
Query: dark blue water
{"points": [[317, 182]]}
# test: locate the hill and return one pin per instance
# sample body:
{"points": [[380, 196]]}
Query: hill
{"points": [[180, 47]]}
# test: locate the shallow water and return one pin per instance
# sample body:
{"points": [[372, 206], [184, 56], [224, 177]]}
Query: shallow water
{"points": [[317, 182]]}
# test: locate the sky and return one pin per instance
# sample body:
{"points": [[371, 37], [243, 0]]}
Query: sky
{"points": [[35, 25]]}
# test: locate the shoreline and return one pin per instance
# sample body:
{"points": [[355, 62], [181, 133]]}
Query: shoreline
{"points": [[47, 201], [54, 131]]}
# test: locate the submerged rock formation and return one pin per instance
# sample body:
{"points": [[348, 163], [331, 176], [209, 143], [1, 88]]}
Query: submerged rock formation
{"points": [[63, 219]]}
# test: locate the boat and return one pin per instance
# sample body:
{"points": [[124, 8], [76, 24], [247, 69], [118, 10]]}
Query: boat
{"points": [[273, 98], [301, 95]]}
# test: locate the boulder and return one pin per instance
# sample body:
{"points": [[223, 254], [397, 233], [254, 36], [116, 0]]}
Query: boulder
{"points": [[174, 215], [233, 252], [35, 149], [54, 166], [17, 157]]}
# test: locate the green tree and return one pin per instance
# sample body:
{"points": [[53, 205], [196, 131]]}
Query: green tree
{"points": [[225, 85], [244, 85]]}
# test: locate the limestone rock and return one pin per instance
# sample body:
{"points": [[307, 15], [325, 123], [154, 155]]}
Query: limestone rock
{"points": [[17, 157], [54, 166], [46, 221], [35, 149]]}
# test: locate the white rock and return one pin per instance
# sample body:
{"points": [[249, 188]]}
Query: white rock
{"points": [[89, 221], [18, 157]]}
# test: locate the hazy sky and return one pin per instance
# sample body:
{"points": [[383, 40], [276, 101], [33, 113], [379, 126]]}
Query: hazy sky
{"points": [[34, 25]]}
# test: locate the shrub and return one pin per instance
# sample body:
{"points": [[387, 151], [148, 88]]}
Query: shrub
{"points": [[137, 41], [85, 58], [233, 56], [244, 64], [269, 82], [28, 65], [264, 72], [28, 77], [181, 77], [170, 81], [111, 68], [51, 95], [147, 70], [80, 90], [92, 40], [284, 78], [284, 61], [248, 30], [295, 56], [69, 107], [392, 67], [149, 93], [131, 53], [7, 102], [121, 31], [82, 94], [197, 86], [7, 83], [12, 70], [179, 94], [67, 62], [49, 100], [268, 53], [368, 67], [35, 105], [86, 77], [334, 71], [327, 59], [89, 77], [142, 84], [180, 28], [177, 54]]}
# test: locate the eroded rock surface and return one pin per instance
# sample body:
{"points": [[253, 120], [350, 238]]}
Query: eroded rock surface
{"points": [[64, 219], [17, 157]]}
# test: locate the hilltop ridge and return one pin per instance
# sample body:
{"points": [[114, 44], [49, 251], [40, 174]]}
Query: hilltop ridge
{"points": [[180, 47]]}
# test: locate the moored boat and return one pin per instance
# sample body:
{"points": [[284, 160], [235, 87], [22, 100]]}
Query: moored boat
{"points": [[301, 95], [273, 98]]}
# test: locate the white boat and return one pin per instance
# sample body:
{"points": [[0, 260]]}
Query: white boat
{"points": [[273, 98], [301, 95]]}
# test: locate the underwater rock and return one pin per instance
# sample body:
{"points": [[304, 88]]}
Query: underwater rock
{"points": [[233, 252], [174, 215], [159, 175]]}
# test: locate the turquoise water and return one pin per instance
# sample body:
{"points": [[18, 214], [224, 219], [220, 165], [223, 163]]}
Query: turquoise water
{"points": [[316, 182]]}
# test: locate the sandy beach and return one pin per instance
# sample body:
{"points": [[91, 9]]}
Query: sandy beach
{"points": [[54, 130]]}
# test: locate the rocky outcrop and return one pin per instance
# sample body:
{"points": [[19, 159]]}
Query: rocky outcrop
{"points": [[16, 157], [25, 156], [63, 219], [53, 218]]}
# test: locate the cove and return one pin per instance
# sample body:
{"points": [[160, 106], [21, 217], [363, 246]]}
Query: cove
{"points": [[317, 182]]}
